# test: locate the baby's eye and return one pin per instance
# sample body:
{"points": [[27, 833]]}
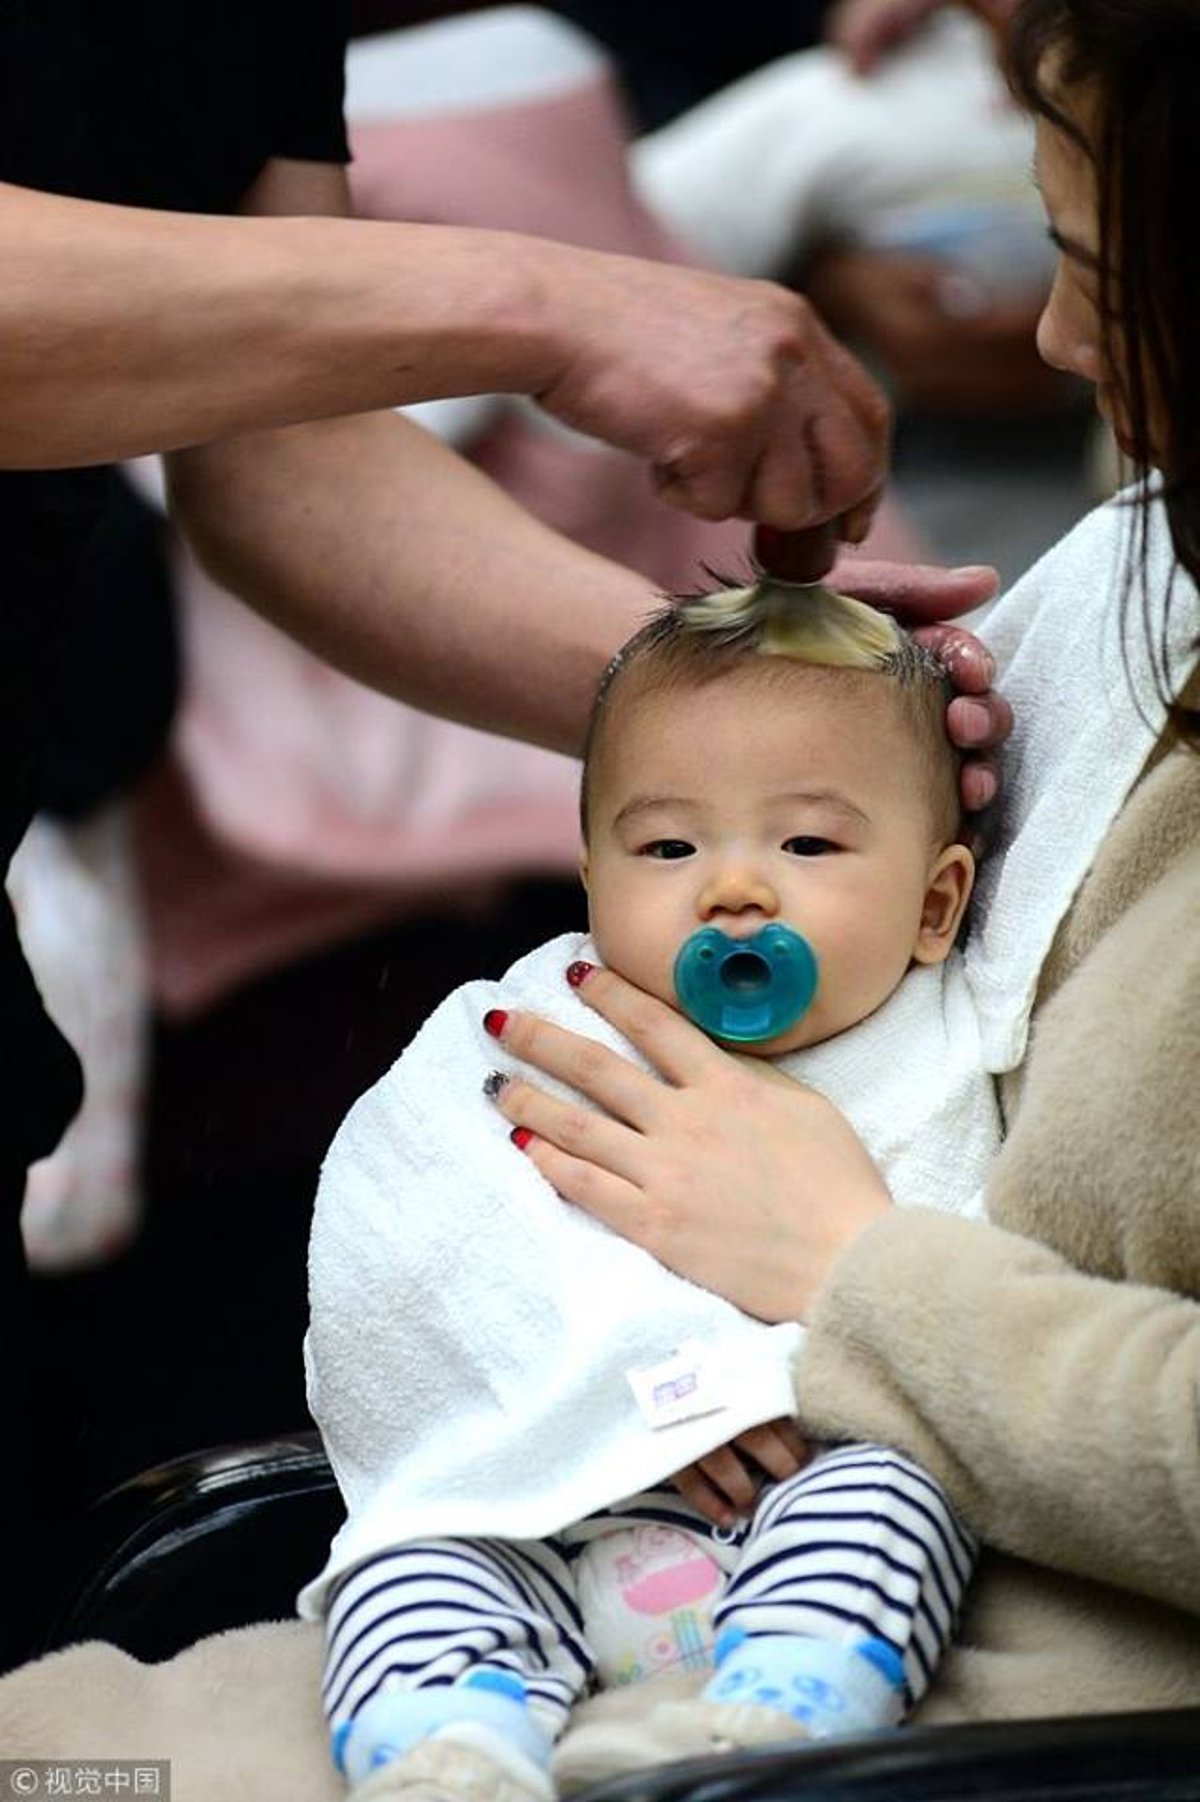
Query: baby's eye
{"points": [[807, 845], [668, 848]]}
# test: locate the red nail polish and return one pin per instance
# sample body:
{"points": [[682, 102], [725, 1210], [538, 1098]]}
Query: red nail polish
{"points": [[579, 973], [520, 1136], [494, 1021]]}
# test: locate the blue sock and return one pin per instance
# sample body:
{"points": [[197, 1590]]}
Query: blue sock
{"points": [[831, 1688], [393, 1720]]}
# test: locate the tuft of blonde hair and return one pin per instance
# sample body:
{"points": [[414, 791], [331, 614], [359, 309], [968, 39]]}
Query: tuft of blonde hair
{"points": [[808, 622]]}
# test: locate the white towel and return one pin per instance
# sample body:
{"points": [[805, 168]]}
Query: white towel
{"points": [[1084, 729], [473, 1338]]}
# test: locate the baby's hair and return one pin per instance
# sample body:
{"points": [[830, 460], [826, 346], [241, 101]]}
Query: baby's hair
{"points": [[697, 639], [809, 624]]}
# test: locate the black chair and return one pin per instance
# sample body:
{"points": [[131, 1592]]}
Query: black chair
{"points": [[227, 1537], [219, 1539]]}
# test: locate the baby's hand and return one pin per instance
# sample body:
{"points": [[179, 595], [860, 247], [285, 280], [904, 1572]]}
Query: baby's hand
{"points": [[723, 1485]]}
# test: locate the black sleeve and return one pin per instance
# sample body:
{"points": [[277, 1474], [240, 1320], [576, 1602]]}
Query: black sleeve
{"points": [[311, 124]]}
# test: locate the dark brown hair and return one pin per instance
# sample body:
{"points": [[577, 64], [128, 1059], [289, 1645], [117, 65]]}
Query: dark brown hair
{"points": [[1138, 61]]}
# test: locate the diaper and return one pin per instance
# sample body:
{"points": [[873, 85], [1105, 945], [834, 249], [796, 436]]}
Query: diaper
{"points": [[647, 1594]]}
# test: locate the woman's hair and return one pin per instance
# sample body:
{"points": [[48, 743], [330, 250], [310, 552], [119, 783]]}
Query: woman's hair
{"points": [[1138, 64], [772, 628]]}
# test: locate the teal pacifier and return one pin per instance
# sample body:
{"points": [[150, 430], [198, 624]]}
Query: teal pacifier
{"points": [[746, 990]]}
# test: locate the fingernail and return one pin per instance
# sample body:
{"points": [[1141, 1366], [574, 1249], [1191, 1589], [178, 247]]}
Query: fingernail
{"points": [[493, 1082], [494, 1021], [578, 974], [520, 1136], [981, 787], [974, 722], [968, 662]]}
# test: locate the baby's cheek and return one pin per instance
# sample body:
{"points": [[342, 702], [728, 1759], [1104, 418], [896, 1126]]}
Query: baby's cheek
{"points": [[649, 967], [848, 988], [653, 980], [861, 984]]}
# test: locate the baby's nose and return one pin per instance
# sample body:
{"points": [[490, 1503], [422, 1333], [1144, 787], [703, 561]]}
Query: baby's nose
{"points": [[737, 888]]}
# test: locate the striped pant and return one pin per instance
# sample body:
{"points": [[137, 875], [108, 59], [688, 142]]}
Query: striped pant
{"points": [[861, 1543]]}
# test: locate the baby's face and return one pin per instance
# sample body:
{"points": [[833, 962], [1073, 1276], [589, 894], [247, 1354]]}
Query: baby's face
{"points": [[747, 802]]}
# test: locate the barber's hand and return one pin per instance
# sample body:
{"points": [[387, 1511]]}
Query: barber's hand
{"points": [[733, 391], [731, 1174], [724, 1486], [866, 30], [977, 720]]}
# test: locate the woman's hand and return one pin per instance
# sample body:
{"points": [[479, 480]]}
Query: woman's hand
{"points": [[925, 599], [728, 1172], [866, 30]]}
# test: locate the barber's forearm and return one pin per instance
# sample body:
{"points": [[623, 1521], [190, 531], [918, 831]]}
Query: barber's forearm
{"points": [[398, 562], [124, 331]]}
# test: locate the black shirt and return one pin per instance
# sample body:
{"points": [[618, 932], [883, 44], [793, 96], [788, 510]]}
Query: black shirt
{"points": [[159, 103]]}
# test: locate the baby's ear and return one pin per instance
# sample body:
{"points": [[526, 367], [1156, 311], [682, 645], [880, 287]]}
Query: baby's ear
{"points": [[946, 895], [583, 866]]}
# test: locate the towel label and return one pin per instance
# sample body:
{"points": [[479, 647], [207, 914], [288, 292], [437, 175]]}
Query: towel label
{"points": [[681, 1388]]}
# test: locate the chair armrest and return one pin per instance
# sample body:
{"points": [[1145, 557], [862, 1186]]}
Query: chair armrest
{"points": [[218, 1539]]}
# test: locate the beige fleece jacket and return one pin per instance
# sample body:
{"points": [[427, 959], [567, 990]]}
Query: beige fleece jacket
{"points": [[1047, 1367]]}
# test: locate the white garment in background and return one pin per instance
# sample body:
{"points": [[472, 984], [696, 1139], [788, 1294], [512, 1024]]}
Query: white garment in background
{"points": [[75, 899], [803, 151]]}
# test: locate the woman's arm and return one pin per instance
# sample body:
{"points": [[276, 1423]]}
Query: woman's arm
{"points": [[1058, 1408], [406, 567]]}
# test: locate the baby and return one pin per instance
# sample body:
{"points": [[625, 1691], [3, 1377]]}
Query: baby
{"points": [[535, 1426]]}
